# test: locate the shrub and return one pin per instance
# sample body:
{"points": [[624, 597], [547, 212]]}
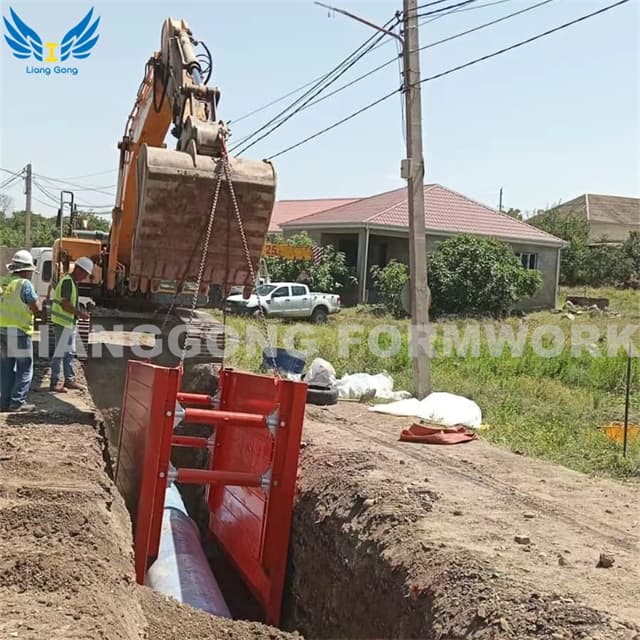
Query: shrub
{"points": [[470, 275], [389, 281]]}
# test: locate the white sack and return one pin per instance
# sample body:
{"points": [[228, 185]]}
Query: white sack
{"points": [[440, 407]]}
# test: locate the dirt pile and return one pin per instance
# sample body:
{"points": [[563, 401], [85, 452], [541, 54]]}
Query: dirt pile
{"points": [[417, 541]]}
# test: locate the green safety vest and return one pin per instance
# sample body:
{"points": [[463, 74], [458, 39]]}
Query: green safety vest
{"points": [[13, 312], [58, 315]]}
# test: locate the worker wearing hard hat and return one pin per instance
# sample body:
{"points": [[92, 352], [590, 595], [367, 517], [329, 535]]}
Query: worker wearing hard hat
{"points": [[18, 304], [64, 312]]}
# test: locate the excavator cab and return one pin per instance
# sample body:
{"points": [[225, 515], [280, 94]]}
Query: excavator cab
{"points": [[192, 214]]}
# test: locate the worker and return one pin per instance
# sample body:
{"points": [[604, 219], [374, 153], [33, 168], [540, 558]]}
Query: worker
{"points": [[18, 304], [64, 312]]}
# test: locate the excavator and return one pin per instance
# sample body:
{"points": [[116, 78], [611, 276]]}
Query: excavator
{"points": [[184, 218]]}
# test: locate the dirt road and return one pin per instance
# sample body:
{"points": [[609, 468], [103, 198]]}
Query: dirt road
{"points": [[444, 521]]}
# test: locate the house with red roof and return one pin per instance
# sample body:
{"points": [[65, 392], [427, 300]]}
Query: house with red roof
{"points": [[286, 210], [372, 231]]}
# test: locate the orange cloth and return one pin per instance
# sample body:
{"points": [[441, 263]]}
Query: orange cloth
{"points": [[432, 434]]}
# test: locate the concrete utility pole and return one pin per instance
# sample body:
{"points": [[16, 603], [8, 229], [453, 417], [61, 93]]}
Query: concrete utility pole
{"points": [[27, 208], [413, 171]]}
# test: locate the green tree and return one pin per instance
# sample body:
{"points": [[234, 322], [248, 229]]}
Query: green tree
{"points": [[331, 275], [389, 281], [43, 229], [573, 227], [514, 213], [470, 275]]}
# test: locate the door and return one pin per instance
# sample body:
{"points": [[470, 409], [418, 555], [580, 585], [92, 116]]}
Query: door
{"points": [[280, 301], [300, 301]]}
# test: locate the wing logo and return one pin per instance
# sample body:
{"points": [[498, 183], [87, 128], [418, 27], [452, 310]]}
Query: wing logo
{"points": [[26, 43]]}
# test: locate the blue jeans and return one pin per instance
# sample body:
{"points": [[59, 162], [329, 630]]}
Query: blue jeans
{"points": [[63, 354], [16, 368]]}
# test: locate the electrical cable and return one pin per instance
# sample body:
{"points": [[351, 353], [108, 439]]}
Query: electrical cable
{"points": [[448, 8], [45, 192], [311, 97], [447, 72], [13, 173], [391, 61], [422, 48], [91, 175], [78, 187], [9, 182], [318, 87], [336, 124], [523, 42]]}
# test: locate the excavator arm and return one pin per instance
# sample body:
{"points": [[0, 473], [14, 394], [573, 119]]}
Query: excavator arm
{"points": [[164, 197]]}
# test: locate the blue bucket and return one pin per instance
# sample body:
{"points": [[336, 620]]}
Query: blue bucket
{"points": [[282, 359]]}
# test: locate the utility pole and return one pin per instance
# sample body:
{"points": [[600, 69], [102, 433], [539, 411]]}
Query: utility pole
{"points": [[500, 203], [413, 171], [27, 222]]}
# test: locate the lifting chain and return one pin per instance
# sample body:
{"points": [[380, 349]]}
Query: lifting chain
{"points": [[223, 167]]}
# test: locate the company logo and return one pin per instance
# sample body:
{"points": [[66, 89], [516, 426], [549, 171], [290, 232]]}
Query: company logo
{"points": [[26, 43]]}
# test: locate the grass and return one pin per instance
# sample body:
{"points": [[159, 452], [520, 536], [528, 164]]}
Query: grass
{"points": [[549, 407]]}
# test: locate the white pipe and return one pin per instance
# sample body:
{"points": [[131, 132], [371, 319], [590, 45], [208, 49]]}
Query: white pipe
{"points": [[181, 569]]}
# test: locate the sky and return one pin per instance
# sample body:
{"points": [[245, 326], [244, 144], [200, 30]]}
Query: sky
{"points": [[546, 122]]}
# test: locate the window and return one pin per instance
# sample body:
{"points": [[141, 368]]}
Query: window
{"points": [[298, 290], [46, 271], [528, 260], [281, 292]]}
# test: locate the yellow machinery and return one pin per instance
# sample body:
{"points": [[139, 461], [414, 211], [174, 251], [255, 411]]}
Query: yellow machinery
{"points": [[165, 198]]}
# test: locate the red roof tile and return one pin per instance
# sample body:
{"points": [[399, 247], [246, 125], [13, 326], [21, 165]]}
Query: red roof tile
{"points": [[446, 211], [285, 210]]}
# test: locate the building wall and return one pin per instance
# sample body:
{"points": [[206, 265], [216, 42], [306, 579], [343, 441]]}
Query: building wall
{"points": [[603, 231], [383, 248], [547, 264]]}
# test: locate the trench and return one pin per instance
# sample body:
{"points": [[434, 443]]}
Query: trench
{"points": [[336, 587]]}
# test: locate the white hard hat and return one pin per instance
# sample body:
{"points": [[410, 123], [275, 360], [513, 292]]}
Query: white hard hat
{"points": [[86, 264], [22, 261]]}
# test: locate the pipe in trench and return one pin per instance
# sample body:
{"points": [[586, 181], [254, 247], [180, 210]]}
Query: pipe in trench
{"points": [[181, 569]]}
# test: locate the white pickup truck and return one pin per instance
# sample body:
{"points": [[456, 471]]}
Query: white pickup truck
{"points": [[286, 300]]}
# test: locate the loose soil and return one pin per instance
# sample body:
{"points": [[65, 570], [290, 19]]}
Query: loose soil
{"points": [[389, 540], [405, 540], [66, 562]]}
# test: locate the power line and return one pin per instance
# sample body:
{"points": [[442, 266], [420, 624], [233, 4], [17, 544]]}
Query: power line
{"points": [[366, 47], [78, 187], [9, 182], [485, 25], [335, 124], [523, 42], [447, 72], [426, 46], [13, 173], [321, 88], [91, 175], [45, 192], [443, 9], [381, 44]]}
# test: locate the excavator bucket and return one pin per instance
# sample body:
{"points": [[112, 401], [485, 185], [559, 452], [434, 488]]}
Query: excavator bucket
{"points": [[175, 196]]}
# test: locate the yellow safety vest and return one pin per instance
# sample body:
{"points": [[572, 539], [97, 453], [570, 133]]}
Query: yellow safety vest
{"points": [[13, 312], [58, 315]]}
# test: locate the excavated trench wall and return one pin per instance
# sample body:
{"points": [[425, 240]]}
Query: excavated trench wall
{"points": [[319, 573], [360, 565]]}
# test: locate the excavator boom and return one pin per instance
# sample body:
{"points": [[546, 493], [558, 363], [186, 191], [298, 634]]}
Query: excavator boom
{"points": [[164, 197]]}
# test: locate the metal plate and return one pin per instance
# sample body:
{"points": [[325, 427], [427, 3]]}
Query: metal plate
{"points": [[174, 200], [144, 451]]}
